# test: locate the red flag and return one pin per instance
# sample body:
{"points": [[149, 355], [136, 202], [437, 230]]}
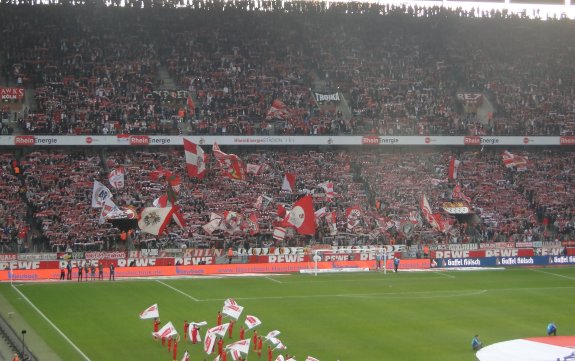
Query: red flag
{"points": [[289, 182], [278, 110], [302, 216], [195, 159], [453, 168], [353, 215], [232, 166]]}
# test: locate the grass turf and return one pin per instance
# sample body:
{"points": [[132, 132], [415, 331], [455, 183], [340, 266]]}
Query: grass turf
{"points": [[359, 316]]}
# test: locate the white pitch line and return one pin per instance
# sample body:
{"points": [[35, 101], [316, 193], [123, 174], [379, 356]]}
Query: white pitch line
{"points": [[416, 295], [554, 274], [273, 280], [179, 291], [52, 324], [445, 274]]}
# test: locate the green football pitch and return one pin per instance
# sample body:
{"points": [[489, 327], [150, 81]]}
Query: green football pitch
{"points": [[408, 316]]}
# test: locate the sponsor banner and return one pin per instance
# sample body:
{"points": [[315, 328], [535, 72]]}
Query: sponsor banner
{"points": [[104, 255], [121, 272], [38, 256], [151, 140], [187, 261], [280, 258], [549, 251], [483, 253], [502, 261], [203, 252], [12, 93], [70, 255], [8, 257], [169, 94]]}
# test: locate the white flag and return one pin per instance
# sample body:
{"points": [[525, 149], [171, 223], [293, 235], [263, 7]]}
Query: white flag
{"points": [[191, 330], [186, 356], [234, 311], [252, 321], [209, 343], [219, 330], [150, 312], [280, 358], [109, 210], [116, 177], [230, 301], [309, 358], [154, 220], [274, 340], [99, 194], [166, 331], [242, 346], [272, 334]]}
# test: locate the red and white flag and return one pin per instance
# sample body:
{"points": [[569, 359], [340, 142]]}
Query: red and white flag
{"points": [[254, 169], [230, 164], [278, 110], [272, 334], [116, 177], [219, 330], [453, 168], [280, 358], [195, 159], [150, 312], [234, 311], [328, 189], [309, 358], [166, 331], [302, 216], [279, 233], [288, 183], [214, 223], [155, 220], [230, 301], [186, 356], [252, 321], [209, 343], [109, 211], [251, 224], [242, 346], [353, 217], [330, 219], [511, 160], [427, 212]]}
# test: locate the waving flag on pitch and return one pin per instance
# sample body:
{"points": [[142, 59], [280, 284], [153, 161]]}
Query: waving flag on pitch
{"points": [[166, 331], [186, 356], [99, 194], [272, 334], [252, 321], [219, 330], [280, 358], [116, 177], [155, 220], [191, 329], [150, 312], [209, 343], [241, 347], [309, 358], [288, 183], [234, 311], [302, 216], [230, 301], [231, 165], [195, 159]]}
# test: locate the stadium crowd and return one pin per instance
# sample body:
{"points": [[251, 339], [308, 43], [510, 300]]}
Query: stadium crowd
{"points": [[52, 194], [149, 68], [399, 70]]}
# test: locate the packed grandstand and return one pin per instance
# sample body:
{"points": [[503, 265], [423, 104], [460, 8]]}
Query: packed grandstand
{"points": [[299, 70]]}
